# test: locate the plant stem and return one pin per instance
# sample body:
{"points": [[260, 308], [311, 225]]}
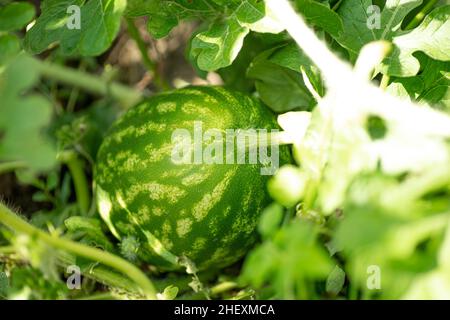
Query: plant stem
{"points": [[99, 296], [336, 6], [420, 15], [12, 165], [134, 33], [75, 166], [384, 82], [127, 96], [223, 287], [11, 220], [75, 92], [149, 64]]}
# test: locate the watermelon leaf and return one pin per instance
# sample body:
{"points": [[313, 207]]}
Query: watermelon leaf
{"points": [[9, 47], [15, 16], [280, 87], [99, 25], [219, 45], [358, 32], [320, 15], [431, 86], [435, 26], [23, 118]]}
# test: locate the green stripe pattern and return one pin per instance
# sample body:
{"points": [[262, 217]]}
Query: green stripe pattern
{"points": [[205, 212]]}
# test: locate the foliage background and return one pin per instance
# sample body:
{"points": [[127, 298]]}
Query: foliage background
{"points": [[367, 189]]}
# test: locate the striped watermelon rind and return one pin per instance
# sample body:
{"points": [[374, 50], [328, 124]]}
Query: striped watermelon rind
{"points": [[205, 212]]}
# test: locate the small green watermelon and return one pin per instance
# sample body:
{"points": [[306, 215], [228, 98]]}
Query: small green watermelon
{"points": [[206, 212]]}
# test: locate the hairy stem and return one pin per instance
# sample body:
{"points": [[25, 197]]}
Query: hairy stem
{"points": [[127, 96], [11, 220]]}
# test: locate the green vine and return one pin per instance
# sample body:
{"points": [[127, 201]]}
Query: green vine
{"points": [[10, 219], [127, 96]]}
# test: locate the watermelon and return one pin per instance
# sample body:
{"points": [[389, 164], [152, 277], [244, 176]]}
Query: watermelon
{"points": [[204, 212]]}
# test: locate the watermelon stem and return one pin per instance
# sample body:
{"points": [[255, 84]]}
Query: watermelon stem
{"points": [[11, 220], [125, 95], [76, 169]]}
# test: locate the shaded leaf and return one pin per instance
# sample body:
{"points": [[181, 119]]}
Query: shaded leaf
{"points": [[9, 47], [99, 25], [280, 88], [23, 118], [270, 220], [320, 15], [219, 45], [16, 15]]}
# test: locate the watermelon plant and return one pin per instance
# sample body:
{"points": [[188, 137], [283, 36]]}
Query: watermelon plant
{"points": [[207, 149], [206, 212]]}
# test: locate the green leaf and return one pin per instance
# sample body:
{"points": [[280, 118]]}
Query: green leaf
{"points": [[163, 16], [250, 11], [4, 283], [430, 86], [40, 197], [282, 89], [219, 45], [99, 25], [16, 15], [290, 56], [29, 283], [226, 23], [435, 26], [9, 47], [356, 32], [287, 187], [23, 118], [439, 97], [254, 44], [52, 180], [89, 231], [139, 8], [169, 293], [401, 62], [291, 257], [270, 220]]}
